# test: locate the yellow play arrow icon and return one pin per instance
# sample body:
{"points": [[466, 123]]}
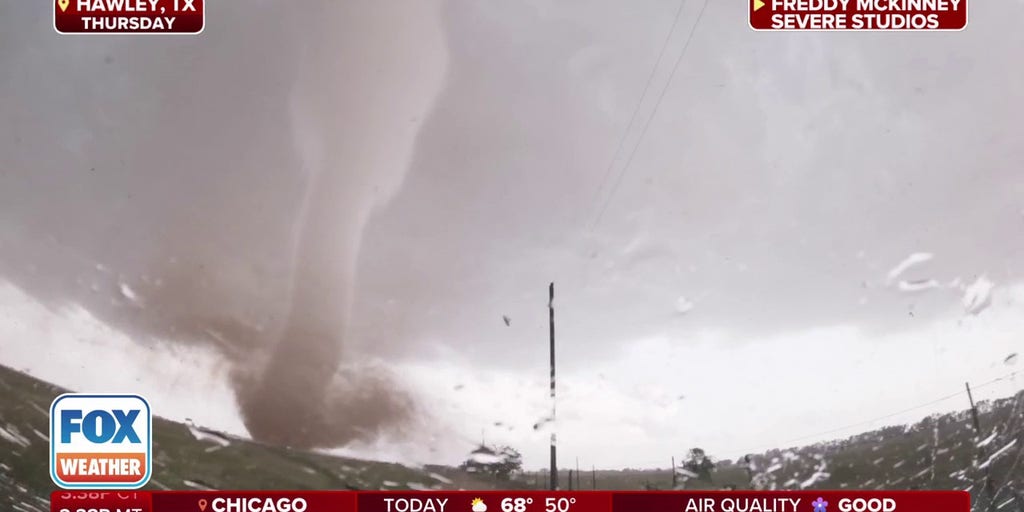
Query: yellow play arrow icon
{"points": [[758, 4]]}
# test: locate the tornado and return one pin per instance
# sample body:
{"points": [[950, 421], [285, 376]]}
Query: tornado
{"points": [[366, 79], [213, 189]]}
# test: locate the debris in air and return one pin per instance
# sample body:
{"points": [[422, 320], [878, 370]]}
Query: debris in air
{"points": [[978, 295], [508, 321], [1010, 359], [440, 478], [485, 456], [129, 293], [197, 484], [12, 435], [202, 434], [987, 440], [543, 421], [818, 476], [918, 285], [914, 259], [683, 305], [997, 454]]}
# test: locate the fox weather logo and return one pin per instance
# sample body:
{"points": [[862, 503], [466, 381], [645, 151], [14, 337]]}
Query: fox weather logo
{"points": [[100, 441]]}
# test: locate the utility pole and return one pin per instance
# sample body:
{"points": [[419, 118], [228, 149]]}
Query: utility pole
{"points": [[570, 479], [974, 410], [551, 326], [578, 474], [593, 478], [989, 485], [675, 476]]}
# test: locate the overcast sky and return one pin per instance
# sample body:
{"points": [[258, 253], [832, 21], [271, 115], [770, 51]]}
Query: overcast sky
{"points": [[159, 194]]}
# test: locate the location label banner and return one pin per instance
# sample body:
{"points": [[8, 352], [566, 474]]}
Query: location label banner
{"points": [[129, 16], [510, 501], [858, 14]]}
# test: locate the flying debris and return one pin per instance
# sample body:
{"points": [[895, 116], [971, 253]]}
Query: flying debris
{"points": [[914, 259], [984, 442], [440, 478], [485, 456], [918, 285], [1010, 359], [11, 434], [129, 293], [203, 434], [818, 476], [542, 422], [978, 295], [508, 321], [997, 454]]}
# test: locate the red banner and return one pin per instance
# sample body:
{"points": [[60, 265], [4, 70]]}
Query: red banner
{"points": [[511, 501], [129, 16], [827, 15]]}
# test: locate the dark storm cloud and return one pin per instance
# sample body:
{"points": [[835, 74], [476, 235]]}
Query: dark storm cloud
{"points": [[783, 176], [214, 188]]}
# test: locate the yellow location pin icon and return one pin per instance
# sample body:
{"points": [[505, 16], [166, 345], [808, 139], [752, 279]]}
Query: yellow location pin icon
{"points": [[63, 4]]}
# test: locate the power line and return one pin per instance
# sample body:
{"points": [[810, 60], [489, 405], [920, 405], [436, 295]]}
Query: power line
{"points": [[886, 416], [647, 88], [650, 119]]}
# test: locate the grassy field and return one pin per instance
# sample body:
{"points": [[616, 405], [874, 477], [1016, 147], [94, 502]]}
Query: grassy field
{"points": [[189, 458], [941, 452]]}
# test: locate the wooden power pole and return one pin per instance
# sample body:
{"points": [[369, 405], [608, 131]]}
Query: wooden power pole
{"points": [[551, 328], [989, 485]]}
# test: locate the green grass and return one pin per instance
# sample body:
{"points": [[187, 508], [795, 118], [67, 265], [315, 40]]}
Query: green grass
{"points": [[939, 452], [181, 461]]}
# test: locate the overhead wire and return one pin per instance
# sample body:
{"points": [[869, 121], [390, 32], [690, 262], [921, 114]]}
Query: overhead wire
{"points": [[650, 119], [886, 416]]}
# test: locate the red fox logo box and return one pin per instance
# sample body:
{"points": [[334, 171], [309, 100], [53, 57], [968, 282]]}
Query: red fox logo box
{"points": [[215, 187]]}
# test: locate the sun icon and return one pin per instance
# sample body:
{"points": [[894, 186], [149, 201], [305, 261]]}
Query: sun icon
{"points": [[478, 505]]}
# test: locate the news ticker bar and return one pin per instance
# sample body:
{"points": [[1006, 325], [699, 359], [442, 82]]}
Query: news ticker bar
{"points": [[510, 501]]}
